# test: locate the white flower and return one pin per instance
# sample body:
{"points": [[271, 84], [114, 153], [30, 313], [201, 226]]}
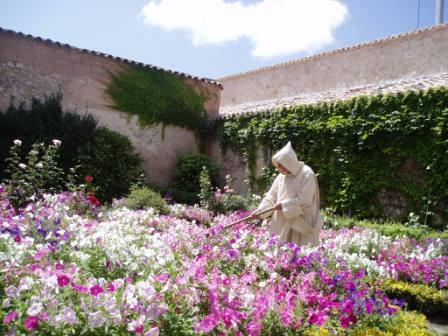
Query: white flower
{"points": [[34, 152], [56, 142], [96, 319], [35, 309], [17, 142], [39, 165], [22, 165], [67, 315]]}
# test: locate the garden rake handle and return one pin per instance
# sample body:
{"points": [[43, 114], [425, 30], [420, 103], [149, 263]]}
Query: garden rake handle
{"points": [[248, 217]]}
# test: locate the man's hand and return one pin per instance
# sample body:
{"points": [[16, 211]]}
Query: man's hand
{"points": [[255, 215]]}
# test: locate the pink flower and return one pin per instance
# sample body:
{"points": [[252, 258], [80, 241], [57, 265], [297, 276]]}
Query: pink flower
{"points": [[111, 288], [140, 329], [207, 324], [96, 290], [88, 178], [10, 317], [31, 323], [17, 239], [80, 288], [346, 321], [59, 266], [152, 332], [63, 280]]}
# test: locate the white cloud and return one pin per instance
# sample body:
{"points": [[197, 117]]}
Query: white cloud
{"points": [[275, 27]]}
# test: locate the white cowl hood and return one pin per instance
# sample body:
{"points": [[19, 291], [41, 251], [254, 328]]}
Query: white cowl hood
{"points": [[288, 159]]}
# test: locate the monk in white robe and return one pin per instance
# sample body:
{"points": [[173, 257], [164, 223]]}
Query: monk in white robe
{"points": [[295, 198]]}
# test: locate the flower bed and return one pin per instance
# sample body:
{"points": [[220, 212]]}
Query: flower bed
{"points": [[69, 269]]}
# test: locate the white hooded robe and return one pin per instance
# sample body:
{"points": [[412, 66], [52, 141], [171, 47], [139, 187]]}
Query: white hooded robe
{"points": [[300, 220]]}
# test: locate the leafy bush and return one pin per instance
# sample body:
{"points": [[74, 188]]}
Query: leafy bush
{"points": [[143, 198], [219, 201], [391, 229], [104, 154], [228, 201], [186, 176], [40, 174], [206, 194], [42, 122], [109, 158]]}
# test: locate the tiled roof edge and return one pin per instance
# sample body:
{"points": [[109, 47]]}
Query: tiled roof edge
{"points": [[335, 51], [120, 59], [268, 110]]}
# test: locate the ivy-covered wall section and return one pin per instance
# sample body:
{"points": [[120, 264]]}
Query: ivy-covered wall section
{"points": [[157, 97], [364, 150]]}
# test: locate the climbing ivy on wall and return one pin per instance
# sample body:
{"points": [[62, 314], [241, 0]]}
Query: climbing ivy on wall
{"points": [[157, 97], [360, 146]]}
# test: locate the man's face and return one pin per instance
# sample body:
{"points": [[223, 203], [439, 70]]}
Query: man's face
{"points": [[282, 169]]}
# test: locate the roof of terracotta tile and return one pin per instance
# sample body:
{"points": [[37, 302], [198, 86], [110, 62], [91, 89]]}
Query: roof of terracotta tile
{"points": [[336, 51], [412, 83], [86, 51]]}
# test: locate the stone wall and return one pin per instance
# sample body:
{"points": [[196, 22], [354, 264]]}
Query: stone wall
{"points": [[407, 55], [32, 67]]}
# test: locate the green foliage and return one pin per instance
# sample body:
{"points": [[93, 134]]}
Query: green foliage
{"points": [[157, 97], [423, 298], [391, 229], [144, 198], [403, 323], [396, 142], [230, 203], [206, 194], [40, 174], [109, 158], [97, 150], [186, 176], [42, 122], [226, 201]]}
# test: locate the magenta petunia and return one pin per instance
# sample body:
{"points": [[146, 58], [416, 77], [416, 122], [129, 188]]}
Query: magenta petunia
{"points": [[31, 323], [10, 317], [63, 280], [96, 290]]}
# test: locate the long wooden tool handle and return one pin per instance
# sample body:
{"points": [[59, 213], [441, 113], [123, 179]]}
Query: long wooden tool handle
{"points": [[248, 217]]}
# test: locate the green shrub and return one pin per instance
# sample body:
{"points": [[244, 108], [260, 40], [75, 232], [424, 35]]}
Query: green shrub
{"points": [[423, 298], [144, 198], [109, 158], [391, 229], [188, 170], [28, 178], [206, 194], [42, 122], [230, 203]]}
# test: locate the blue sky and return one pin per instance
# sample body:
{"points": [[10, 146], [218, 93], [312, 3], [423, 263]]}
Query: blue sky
{"points": [[214, 38]]}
